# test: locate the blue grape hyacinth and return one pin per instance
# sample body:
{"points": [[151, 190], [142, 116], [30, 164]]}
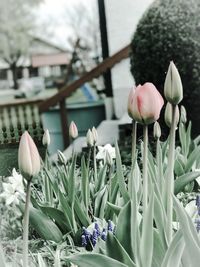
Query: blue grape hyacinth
{"points": [[90, 237]]}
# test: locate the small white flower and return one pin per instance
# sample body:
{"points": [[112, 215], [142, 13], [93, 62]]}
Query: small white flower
{"points": [[14, 189], [102, 152]]}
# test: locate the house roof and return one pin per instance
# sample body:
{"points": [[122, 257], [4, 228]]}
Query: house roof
{"points": [[49, 59], [49, 44]]}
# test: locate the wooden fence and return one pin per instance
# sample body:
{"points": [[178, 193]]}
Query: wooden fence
{"points": [[17, 117]]}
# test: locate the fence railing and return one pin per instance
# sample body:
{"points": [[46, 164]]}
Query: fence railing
{"points": [[18, 116]]}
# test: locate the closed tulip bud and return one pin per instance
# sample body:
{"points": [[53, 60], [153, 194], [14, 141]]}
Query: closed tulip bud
{"points": [[89, 138], [156, 130], [95, 134], [145, 103], [168, 115], [173, 88], [28, 157], [183, 115], [108, 159], [61, 158], [46, 138], [73, 131], [130, 100]]}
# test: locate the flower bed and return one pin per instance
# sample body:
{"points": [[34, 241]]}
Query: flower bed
{"points": [[102, 212]]}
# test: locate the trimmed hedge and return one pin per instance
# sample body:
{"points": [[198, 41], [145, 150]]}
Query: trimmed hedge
{"points": [[170, 30]]}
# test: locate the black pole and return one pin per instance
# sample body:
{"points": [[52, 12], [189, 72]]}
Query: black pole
{"points": [[105, 48]]}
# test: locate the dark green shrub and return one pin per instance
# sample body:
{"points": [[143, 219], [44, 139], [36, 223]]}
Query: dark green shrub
{"points": [[170, 30]]}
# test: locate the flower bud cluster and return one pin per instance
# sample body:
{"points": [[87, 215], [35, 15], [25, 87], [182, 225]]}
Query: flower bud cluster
{"points": [[91, 236], [92, 137]]}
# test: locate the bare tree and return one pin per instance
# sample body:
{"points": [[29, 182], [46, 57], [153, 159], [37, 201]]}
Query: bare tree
{"points": [[85, 36], [17, 23]]}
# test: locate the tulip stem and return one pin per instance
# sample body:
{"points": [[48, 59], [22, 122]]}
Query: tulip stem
{"points": [[134, 135], [159, 165], [26, 225], [95, 163], [145, 173], [170, 174], [89, 156]]}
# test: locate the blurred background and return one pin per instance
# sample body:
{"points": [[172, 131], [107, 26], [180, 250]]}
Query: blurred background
{"points": [[77, 60]]}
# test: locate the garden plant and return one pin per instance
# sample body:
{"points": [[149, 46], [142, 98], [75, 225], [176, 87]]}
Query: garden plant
{"points": [[103, 213], [168, 30]]}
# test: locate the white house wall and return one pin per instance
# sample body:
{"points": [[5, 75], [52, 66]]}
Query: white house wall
{"points": [[122, 18]]}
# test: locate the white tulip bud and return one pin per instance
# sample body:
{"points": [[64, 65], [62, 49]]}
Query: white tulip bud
{"points": [[168, 115], [183, 115], [156, 130], [95, 134], [28, 157], [46, 138], [89, 138], [73, 131], [173, 88]]}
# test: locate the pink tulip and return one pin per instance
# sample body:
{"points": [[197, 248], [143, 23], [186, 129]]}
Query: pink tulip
{"points": [[28, 157], [73, 131], [145, 103]]}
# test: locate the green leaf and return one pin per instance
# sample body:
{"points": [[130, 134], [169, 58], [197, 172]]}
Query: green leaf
{"points": [[44, 226], [174, 252], [84, 183], [189, 232], [94, 260], [58, 216], [115, 250], [2, 259], [146, 245], [183, 180], [158, 249], [182, 138], [123, 229], [100, 202], [192, 158], [66, 209], [178, 168], [71, 185], [101, 181], [41, 262], [57, 261], [160, 220], [120, 176], [81, 213], [114, 208]]}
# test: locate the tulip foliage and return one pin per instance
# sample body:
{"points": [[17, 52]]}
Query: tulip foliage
{"points": [[122, 217]]}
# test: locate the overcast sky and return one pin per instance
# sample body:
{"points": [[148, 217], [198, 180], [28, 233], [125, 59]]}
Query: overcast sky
{"points": [[53, 13]]}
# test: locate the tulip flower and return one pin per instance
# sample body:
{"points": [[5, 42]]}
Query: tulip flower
{"points": [[29, 165], [89, 138], [145, 103], [183, 115], [173, 88], [156, 130], [168, 115], [73, 131], [130, 100], [46, 138], [134, 125], [95, 134], [28, 157]]}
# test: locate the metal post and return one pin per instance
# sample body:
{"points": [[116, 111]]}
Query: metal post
{"points": [[105, 47]]}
